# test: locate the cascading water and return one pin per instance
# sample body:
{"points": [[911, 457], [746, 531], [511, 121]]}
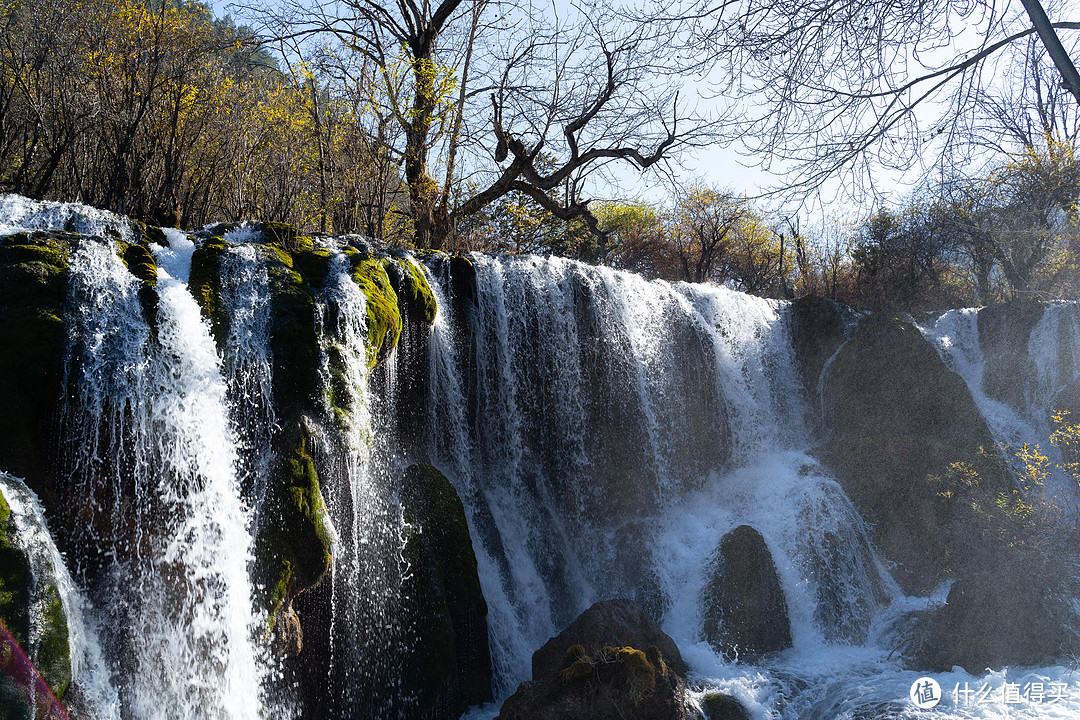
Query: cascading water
{"points": [[606, 432], [365, 633], [155, 458], [89, 674], [1053, 350], [248, 367]]}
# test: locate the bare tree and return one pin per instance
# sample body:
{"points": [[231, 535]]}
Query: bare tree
{"points": [[842, 90], [585, 93]]}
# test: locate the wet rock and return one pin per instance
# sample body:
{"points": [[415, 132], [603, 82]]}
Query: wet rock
{"points": [[449, 667], [718, 706], [616, 683], [899, 418], [33, 292], [818, 327], [995, 620], [745, 611], [592, 670], [30, 604], [1004, 330]]}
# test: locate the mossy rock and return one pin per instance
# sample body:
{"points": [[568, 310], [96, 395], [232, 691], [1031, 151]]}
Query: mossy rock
{"points": [[294, 342], [383, 315], [204, 282], [293, 548], [314, 265], [718, 706], [614, 682], [147, 233], [450, 667], [33, 291], [619, 622], [30, 605], [415, 298], [140, 263]]}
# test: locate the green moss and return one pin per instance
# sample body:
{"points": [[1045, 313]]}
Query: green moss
{"points": [[295, 540], [384, 317], [33, 290], [285, 236], [53, 656], [32, 610], [148, 233], [718, 706], [293, 340], [204, 281], [445, 608], [415, 298], [140, 262], [313, 265]]}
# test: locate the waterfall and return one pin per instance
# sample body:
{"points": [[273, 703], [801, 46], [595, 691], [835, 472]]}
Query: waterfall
{"points": [[89, 674], [155, 455], [248, 368], [621, 427], [605, 433]]}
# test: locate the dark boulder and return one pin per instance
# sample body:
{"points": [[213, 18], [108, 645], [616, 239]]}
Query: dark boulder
{"points": [[718, 706], [615, 623], [745, 611], [998, 619], [449, 666], [595, 669], [818, 327], [30, 603], [617, 683], [33, 339]]}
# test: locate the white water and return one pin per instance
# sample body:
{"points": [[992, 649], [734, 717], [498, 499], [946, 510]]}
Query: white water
{"points": [[604, 433], [248, 367], [368, 567], [19, 214], [151, 432]]}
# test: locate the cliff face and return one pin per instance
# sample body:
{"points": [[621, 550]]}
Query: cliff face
{"points": [[392, 478]]}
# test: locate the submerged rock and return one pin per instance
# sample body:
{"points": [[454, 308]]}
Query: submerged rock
{"points": [[591, 670], [718, 706], [449, 665], [745, 610]]}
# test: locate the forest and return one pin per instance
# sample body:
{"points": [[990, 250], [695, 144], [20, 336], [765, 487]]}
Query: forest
{"points": [[496, 127]]}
